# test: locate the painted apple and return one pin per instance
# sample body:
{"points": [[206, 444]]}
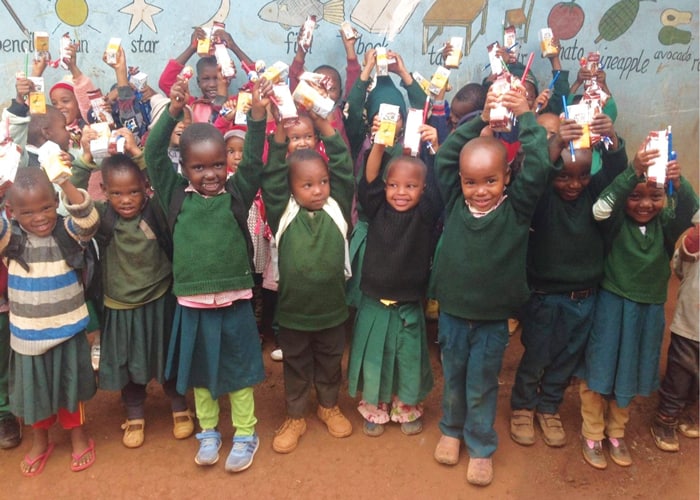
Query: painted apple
{"points": [[566, 20]]}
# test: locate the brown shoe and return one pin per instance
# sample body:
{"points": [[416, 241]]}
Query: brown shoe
{"points": [[593, 453], [338, 425], [447, 450], [287, 436], [619, 453], [688, 426], [183, 424], [552, 429], [480, 471], [133, 432], [522, 430]]}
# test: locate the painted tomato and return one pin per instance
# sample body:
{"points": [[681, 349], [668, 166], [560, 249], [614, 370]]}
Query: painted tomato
{"points": [[566, 20]]}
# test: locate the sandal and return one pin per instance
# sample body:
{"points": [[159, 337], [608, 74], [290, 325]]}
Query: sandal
{"points": [[183, 424], [89, 452], [39, 459], [133, 432]]}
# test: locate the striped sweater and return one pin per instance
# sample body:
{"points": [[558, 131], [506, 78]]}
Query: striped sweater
{"points": [[47, 303]]}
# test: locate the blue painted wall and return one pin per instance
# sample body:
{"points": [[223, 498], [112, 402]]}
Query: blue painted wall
{"points": [[650, 48]]}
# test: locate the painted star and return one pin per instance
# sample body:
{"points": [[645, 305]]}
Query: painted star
{"points": [[141, 12]]}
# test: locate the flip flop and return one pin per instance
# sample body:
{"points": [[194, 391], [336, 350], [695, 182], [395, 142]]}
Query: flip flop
{"points": [[40, 459], [75, 466]]}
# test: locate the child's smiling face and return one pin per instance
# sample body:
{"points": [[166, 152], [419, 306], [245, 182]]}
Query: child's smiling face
{"points": [[645, 202], [574, 177], [35, 208], [204, 165], [405, 183], [207, 81], [66, 103], [301, 135], [483, 172]]}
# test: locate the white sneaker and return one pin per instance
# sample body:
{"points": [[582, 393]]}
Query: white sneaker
{"points": [[277, 354], [95, 356]]}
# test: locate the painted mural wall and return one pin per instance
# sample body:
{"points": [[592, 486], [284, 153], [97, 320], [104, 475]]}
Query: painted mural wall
{"points": [[649, 48]]}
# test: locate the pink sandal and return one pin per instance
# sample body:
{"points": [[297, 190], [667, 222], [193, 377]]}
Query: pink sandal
{"points": [[75, 465], [40, 459]]}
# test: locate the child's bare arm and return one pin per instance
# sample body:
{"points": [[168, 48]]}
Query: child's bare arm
{"points": [[374, 159], [197, 34]]}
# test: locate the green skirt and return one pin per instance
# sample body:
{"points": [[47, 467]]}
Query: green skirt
{"points": [[134, 343], [389, 354], [60, 378], [216, 349]]}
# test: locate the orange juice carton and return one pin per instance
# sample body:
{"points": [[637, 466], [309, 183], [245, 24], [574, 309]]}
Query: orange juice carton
{"points": [[242, 104], [204, 44], [57, 170], [285, 103], [112, 50], [439, 80], [41, 46], [581, 112], [500, 117], [455, 56], [382, 61], [411, 136], [276, 73], [307, 96], [99, 147], [658, 139], [307, 33], [139, 81], [99, 107], [389, 117], [422, 81], [223, 59], [348, 31], [547, 45]]}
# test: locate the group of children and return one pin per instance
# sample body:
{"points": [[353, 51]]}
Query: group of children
{"points": [[197, 212]]}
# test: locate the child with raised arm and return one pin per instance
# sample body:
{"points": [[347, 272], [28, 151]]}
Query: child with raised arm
{"points": [[51, 370], [389, 360], [214, 346], [308, 208], [484, 242], [622, 356], [678, 395], [565, 266]]}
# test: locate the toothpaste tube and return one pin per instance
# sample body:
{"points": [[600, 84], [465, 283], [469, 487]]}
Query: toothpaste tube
{"points": [[117, 143], [500, 117], [658, 139], [307, 33], [348, 31], [223, 59], [63, 55], [99, 107], [495, 60]]}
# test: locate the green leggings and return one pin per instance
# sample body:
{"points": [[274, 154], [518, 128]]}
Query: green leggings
{"points": [[242, 410]]}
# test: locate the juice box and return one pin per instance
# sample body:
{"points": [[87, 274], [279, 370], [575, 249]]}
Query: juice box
{"points": [[495, 60], [439, 80], [547, 45], [455, 57], [99, 107], [285, 103], [41, 45], [307, 96], [307, 33], [348, 31], [582, 114], [112, 50], [389, 116], [223, 59], [422, 81], [382, 62], [37, 103], [139, 80], [411, 136], [510, 40], [50, 160], [244, 99], [500, 117], [63, 54], [10, 154], [277, 72], [99, 147]]}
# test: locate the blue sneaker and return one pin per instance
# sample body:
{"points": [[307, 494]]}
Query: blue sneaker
{"points": [[209, 446], [242, 453]]}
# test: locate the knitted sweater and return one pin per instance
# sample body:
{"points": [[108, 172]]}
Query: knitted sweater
{"points": [[565, 249], [47, 303], [210, 254], [637, 263], [311, 249], [396, 265], [479, 266]]}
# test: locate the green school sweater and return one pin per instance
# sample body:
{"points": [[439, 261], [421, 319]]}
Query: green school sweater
{"points": [[209, 247], [479, 269], [312, 249], [565, 249], [637, 264]]}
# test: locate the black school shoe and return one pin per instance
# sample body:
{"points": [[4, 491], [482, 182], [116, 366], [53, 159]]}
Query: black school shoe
{"points": [[10, 432]]}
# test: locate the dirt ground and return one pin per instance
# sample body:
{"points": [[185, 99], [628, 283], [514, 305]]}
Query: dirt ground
{"points": [[391, 466]]}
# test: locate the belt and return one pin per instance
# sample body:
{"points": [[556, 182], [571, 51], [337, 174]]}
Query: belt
{"points": [[575, 295]]}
